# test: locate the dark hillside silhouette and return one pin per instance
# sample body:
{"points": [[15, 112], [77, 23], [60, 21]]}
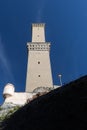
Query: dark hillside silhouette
{"points": [[64, 108]]}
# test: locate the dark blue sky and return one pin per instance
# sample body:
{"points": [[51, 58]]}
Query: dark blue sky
{"points": [[66, 29]]}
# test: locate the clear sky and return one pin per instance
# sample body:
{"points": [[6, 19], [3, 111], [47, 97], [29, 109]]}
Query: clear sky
{"points": [[66, 29]]}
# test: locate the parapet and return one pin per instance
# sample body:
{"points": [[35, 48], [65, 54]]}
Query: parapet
{"points": [[9, 90], [38, 25]]}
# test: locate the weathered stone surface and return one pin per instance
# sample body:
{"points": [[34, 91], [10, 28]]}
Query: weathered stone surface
{"points": [[42, 89]]}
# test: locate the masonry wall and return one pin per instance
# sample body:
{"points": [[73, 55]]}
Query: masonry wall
{"points": [[39, 70], [19, 98]]}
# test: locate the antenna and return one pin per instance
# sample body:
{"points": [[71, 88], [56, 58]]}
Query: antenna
{"points": [[60, 79]]}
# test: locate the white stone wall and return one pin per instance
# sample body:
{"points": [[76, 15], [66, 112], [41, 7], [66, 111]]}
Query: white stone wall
{"points": [[19, 98], [39, 70]]}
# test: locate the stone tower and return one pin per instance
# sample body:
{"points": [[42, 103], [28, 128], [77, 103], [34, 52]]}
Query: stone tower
{"points": [[38, 67]]}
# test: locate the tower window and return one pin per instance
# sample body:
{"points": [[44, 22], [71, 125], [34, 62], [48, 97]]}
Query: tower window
{"points": [[38, 75], [38, 62]]}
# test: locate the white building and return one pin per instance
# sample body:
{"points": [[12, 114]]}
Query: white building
{"points": [[38, 68], [11, 96]]}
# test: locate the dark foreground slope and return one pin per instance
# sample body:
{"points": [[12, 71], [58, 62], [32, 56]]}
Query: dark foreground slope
{"points": [[62, 109]]}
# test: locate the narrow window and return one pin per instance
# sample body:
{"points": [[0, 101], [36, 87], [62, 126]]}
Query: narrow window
{"points": [[38, 62], [38, 75]]}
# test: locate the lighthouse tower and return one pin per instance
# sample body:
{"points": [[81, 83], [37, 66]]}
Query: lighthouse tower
{"points": [[38, 67]]}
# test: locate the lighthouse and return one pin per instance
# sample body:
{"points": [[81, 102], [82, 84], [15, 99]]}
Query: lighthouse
{"points": [[39, 76], [39, 72]]}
